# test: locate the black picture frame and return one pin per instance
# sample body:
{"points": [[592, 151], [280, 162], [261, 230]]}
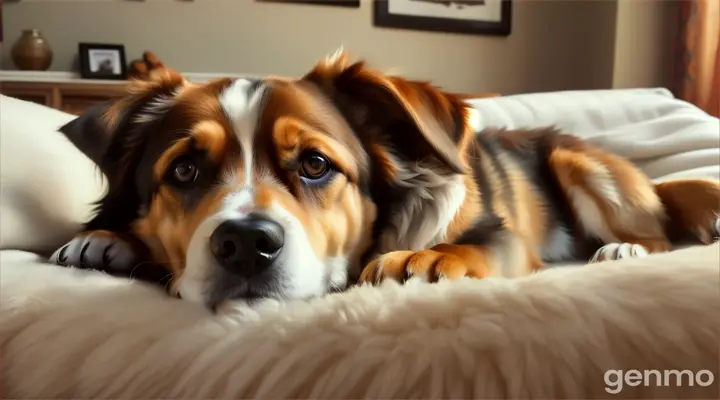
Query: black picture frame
{"points": [[334, 3], [119, 64], [383, 18]]}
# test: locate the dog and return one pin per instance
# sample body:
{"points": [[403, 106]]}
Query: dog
{"points": [[291, 188]]}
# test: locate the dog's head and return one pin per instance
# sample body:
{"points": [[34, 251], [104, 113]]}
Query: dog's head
{"points": [[268, 188]]}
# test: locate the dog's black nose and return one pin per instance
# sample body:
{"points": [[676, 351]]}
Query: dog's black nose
{"points": [[247, 245]]}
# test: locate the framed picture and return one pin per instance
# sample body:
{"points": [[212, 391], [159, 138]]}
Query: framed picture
{"points": [[102, 61], [336, 3], [479, 17]]}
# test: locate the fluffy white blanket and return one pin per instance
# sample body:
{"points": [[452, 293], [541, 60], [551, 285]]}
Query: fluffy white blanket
{"points": [[568, 332]]}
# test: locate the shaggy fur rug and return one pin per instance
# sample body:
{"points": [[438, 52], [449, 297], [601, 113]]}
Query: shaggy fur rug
{"points": [[636, 328]]}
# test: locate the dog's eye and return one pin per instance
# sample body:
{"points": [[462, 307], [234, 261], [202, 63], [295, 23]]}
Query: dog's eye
{"points": [[184, 170], [314, 166]]}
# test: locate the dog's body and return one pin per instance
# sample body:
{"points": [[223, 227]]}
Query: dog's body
{"points": [[289, 188]]}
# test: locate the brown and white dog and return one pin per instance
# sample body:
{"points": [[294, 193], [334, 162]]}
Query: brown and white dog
{"points": [[292, 188]]}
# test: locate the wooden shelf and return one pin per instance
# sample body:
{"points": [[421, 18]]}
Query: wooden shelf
{"points": [[72, 98], [66, 91]]}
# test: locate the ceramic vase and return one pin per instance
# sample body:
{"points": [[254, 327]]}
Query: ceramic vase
{"points": [[31, 52]]}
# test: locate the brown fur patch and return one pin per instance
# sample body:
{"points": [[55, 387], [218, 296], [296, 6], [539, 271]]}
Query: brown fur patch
{"points": [[212, 137], [385, 162], [693, 206], [630, 212]]}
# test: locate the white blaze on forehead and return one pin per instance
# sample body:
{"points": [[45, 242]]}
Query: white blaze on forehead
{"points": [[156, 107], [242, 105]]}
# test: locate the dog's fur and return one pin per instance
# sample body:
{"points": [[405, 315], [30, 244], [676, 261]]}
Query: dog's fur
{"points": [[410, 189]]}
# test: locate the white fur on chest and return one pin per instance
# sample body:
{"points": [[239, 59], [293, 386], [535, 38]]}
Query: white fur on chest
{"points": [[558, 246], [422, 221]]}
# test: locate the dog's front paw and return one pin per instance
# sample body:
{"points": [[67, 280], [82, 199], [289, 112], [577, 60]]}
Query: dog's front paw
{"points": [[107, 252], [619, 251], [431, 265], [98, 250]]}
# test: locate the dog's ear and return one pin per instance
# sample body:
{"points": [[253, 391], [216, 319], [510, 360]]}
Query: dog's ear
{"points": [[104, 132], [89, 132], [413, 118], [113, 135]]}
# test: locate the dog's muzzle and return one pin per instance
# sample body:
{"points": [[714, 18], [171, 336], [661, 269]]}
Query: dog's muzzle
{"points": [[247, 246]]}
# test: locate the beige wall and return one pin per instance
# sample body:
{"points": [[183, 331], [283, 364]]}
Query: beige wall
{"points": [[555, 45], [643, 43]]}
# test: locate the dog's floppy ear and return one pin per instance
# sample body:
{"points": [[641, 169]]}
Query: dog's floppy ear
{"points": [[101, 132], [89, 132], [413, 118], [113, 135]]}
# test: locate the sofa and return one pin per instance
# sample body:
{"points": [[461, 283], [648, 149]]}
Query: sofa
{"points": [[67, 333]]}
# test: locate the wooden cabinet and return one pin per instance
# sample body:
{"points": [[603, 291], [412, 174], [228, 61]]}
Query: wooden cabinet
{"points": [[70, 97]]}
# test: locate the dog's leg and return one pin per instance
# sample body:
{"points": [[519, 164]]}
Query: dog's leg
{"points": [[110, 252], [612, 201], [693, 207], [497, 253]]}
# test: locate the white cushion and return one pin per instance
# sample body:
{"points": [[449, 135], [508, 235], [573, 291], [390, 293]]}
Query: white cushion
{"points": [[666, 137], [47, 186]]}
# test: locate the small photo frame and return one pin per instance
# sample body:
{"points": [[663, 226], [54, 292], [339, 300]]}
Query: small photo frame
{"points": [[102, 61]]}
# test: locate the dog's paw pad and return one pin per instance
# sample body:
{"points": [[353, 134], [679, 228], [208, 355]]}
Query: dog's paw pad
{"points": [[619, 251]]}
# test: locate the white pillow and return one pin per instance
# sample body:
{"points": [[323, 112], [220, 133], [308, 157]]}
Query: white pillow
{"points": [[666, 137], [47, 186]]}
